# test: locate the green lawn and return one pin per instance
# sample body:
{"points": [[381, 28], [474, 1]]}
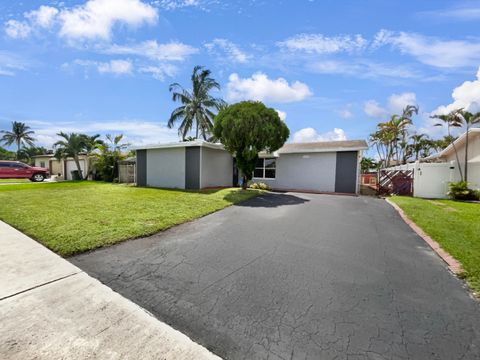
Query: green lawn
{"points": [[73, 217], [454, 225], [14, 180]]}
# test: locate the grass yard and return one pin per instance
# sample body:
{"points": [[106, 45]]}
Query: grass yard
{"points": [[454, 225], [72, 217], [14, 181]]}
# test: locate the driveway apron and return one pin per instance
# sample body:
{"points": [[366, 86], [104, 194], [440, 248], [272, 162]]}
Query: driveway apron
{"points": [[298, 276]]}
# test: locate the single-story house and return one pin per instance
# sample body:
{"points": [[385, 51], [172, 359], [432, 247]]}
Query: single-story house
{"points": [[61, 169], [326, 166]]}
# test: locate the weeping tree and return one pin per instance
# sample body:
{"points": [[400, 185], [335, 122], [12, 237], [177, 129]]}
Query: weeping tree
{"points": [[21, 135], [247, 128], [198, 105]]}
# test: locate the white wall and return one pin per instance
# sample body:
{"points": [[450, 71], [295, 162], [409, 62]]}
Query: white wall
{"points": [[314, 171], [166, 167], [431, 180], [216, 168]]}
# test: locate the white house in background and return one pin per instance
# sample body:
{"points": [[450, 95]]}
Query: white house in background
{"points": [[433, 174], [61, 169], [326, 166]]}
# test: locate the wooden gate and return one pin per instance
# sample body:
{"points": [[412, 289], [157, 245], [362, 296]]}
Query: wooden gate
{"points": [[395, 182]]}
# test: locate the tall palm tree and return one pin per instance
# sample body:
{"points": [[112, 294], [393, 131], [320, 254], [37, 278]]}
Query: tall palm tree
{"points": [[451, 119], [71, 146], [417, 144], [20, 135], [197, 104], [468, 120]]}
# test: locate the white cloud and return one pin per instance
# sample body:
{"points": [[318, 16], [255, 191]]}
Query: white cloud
{"points": [[372, 108], [96, 18], [176, 4], [466, 96], [321, 44], [44, 16], [260, 87], [173, 51], [160, 72], [395, 105], [362, 69], [310, 135], [229, 50], [118, 67], [432, 51], [281, 114], [460, 13], [345, 113], [17, 29], [397, 102], [11, 63], [136, 132]]}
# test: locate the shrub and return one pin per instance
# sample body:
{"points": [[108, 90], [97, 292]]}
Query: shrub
{"points": [[460, 191], [260, 186]]}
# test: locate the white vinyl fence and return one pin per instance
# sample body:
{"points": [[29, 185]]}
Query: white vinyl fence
{"points": [[431, 179]]}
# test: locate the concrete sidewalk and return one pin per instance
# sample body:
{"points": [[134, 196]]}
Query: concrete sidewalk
{"points": [[50, 309]]}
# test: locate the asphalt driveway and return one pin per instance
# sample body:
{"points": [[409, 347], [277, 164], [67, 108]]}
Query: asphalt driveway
{"points": [[296, 276]]}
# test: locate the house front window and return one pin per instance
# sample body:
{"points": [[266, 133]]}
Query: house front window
{"points": [[265, 168], [42, 164]]}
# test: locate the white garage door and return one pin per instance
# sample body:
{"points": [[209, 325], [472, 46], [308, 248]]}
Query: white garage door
{"points": [[71, 166]]}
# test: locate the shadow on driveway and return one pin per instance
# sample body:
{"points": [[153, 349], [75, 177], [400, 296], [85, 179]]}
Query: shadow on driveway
{"points": [[271, 200]]}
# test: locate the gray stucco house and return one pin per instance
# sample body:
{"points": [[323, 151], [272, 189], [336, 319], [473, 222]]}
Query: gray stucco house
{"points": [[327, 166]]}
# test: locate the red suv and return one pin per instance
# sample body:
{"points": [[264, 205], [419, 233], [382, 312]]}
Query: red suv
{"points": [[18, 170]]}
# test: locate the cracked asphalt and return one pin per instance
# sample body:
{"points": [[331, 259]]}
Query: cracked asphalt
{"points": [[298, 276]]}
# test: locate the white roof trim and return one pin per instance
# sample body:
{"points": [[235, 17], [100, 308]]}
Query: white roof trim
{"points": [[457, 142], [332, 149], [200, 143]]}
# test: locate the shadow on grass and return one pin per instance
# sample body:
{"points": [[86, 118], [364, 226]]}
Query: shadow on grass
{"points": [[269, 200]]}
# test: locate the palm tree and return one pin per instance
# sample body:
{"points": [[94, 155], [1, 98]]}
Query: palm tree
{"points": [[417, 144], [71, 146], [468, 120], [451, 119], [20, 135], [197, 104]]}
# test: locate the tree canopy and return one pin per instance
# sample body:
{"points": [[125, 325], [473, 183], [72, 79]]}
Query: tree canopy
{"points": [[247, 128]]}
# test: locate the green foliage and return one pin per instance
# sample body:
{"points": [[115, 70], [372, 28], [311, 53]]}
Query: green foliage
{"points": [[106, 162], [259, 186], [460, 191], [367, 164], [6, 154], [86, 215], [247, 128], [197, 104], [21, 135]]}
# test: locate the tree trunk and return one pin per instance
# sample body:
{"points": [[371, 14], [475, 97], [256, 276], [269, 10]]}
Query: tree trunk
{"points": [[77, 162], [465, 170], [196, 136], [244, 182], [456, 155], [18, 150]]}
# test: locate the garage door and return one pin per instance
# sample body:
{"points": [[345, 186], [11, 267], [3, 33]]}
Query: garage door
{"points": [[346, 172], [71, 166]]}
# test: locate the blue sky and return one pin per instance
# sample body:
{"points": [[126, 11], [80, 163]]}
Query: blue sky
{"points": [[333, 69]]}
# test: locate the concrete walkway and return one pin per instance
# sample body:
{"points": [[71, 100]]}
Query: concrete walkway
{"points": [[50, 309]]}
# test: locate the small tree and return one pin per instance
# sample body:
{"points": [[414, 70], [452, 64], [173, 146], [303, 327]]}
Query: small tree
{"points": [[20, 135], [247, 128], [71, 146]]}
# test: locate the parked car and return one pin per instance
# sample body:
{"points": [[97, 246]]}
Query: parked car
{"points": [[19, 170]]}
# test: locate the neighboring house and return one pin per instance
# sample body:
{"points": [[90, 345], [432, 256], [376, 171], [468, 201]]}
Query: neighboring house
{"points": [[330, 166], [432, 175], [370, 179], [61, 169]]}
